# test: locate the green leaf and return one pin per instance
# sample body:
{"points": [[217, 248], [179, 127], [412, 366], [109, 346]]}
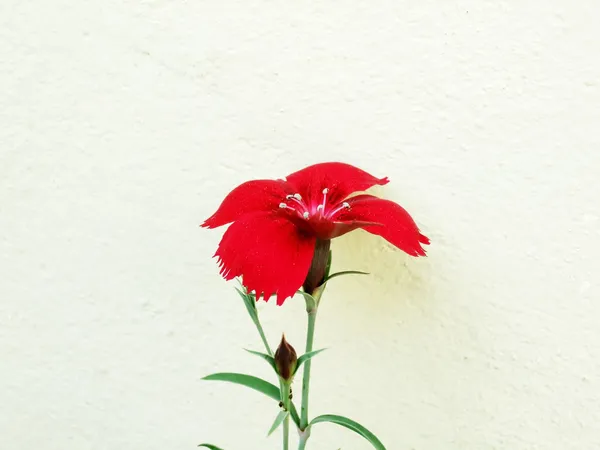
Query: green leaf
{"points": [[345, 272], [264, 356], [210, 446], [250, 304], [294, 414], [352, 425], [278, 421], [258, 384], [306, 357]]}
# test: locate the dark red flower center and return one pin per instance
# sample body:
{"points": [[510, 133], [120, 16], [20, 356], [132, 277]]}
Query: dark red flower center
{"points": [[314, 218]]}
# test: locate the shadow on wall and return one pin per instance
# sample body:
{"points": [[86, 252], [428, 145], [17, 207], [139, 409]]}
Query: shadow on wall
{"points": [[398, 285]]}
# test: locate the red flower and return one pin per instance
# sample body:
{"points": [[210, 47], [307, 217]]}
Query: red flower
{"points": [[277, 223]]}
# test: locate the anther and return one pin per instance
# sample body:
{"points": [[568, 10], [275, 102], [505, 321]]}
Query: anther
{"points": [[297, 197], [346, 205], [305, 215], [320, 207], [325, 191]]}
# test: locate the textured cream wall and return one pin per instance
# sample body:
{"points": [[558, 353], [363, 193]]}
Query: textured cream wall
{"points": [[124, 125]]}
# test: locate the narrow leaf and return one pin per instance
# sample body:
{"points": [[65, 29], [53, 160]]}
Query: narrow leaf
{"points": [[258, 384], [264, 356], [210, 446], [352, 425], [294, 414], [345, 272], [306, 357], [278, 421], [250, 305]]}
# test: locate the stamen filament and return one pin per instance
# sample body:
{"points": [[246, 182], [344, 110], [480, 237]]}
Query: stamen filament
{"points": [[322, 206], [297, 199], [284, 206], [344, 205]]}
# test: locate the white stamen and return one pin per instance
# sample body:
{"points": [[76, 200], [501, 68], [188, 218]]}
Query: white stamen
{"points": [[322, 206], [284, 206], [344, 205], [297, 199], [305, 215]]}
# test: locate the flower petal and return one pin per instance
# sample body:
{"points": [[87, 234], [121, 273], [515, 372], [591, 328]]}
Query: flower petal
{"points": [[269, 252], [341, 179], [252, 196], [395, 224]]}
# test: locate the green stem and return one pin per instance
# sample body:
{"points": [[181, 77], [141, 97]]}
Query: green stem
{"points": [[310, 334], [286, 433], [303, 440], [285, 391], [284, 387]]}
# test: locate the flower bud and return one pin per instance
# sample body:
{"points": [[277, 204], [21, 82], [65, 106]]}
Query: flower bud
{"points": [[285, 360]]}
